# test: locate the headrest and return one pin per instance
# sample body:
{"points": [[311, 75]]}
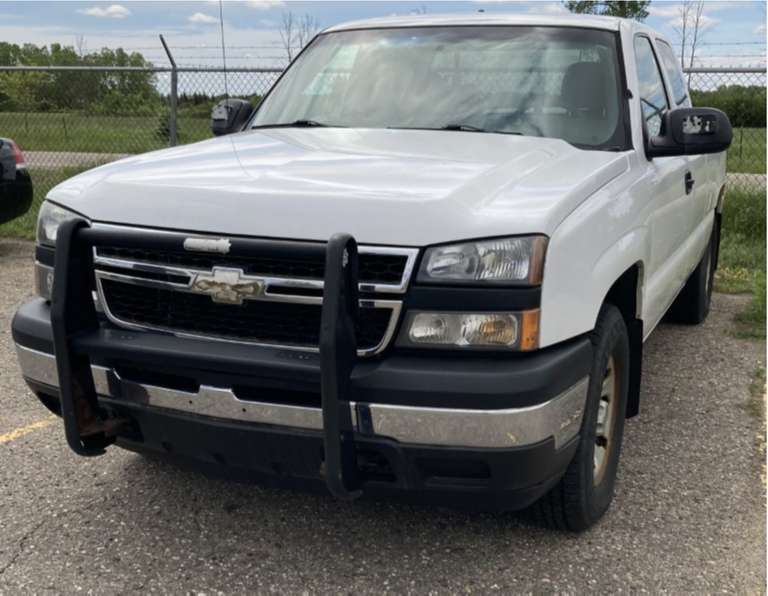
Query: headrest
{"points": [[584, 86]]}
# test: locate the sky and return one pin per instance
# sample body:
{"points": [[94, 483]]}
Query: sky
{"points": [[735, 32]]}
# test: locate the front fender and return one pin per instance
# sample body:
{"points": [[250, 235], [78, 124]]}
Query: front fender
{"points": [[588, 252]]}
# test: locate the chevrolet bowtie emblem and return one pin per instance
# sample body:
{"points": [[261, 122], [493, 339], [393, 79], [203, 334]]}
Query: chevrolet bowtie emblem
{"points": [[228, 286]]}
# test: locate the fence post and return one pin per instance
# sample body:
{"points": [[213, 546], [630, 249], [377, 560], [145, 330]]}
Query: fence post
{"points": [[172, 126], [174, 102]]}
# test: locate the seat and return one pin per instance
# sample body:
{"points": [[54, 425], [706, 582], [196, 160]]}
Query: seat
{"points": [[588, 95]]}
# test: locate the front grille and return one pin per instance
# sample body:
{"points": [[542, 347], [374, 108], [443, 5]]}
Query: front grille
{"points": [[253, 321], [265, 292], [373, 268]]}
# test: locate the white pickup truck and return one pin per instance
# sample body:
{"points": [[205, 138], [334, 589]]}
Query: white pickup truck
{"points": [[423, 267]]}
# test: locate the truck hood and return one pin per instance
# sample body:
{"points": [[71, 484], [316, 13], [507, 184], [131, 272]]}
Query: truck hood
{"points": [[398, 187]]}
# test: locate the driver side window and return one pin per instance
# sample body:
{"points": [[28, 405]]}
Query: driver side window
{"points": [[653, 98]]}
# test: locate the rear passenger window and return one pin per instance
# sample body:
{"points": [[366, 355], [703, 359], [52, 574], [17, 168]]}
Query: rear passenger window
{"points": [[674, 74], [653, 98]]}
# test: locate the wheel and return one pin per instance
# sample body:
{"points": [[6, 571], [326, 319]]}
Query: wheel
{"points": [[585, 491], [691, 306]]}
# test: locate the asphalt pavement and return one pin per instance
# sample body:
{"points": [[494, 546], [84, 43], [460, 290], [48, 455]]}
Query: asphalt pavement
{"points": [[689, 513]]}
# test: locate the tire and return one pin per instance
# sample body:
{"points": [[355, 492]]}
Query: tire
{"points": [[691, 306], [585, 491]]}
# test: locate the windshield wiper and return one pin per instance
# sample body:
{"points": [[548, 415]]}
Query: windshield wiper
{"points": [[463, 128], [470, 128], [458, 127], [297, 124]]}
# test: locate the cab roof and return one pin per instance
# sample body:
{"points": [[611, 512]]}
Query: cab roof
{"points": [[486, 18]]}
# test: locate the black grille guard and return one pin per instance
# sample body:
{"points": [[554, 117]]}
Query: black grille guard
{"points": [[90, 430], [338, 353]]}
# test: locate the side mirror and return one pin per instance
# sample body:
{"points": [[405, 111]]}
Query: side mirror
{"points": [[229, 115], [691, 131]]}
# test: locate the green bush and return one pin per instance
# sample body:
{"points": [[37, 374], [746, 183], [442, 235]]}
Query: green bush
{"points": [[745, 106]]}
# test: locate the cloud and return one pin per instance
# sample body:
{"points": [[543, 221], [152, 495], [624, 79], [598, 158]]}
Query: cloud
{"points": [[673, 14], [759, 30], [548, 8], [200, 17], [113, 11], [668, 10], [257, 4], [265, 4], [705, 22], [664, 11]]}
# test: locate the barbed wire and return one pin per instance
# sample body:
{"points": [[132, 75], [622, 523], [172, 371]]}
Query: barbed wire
{"points": [[726, 43], [278, 45], [275, 46]]}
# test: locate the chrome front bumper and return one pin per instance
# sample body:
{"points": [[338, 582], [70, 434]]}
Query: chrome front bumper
{"points": [[559, 417]]}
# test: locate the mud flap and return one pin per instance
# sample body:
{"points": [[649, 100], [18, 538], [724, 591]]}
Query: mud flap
{"points": [[338, 353]]}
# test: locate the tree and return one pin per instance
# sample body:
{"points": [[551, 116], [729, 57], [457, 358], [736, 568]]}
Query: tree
{"points": [[80, 45], [690, 29], [103, 91], [296, 32], [697, 30], [308, 28], [628, 9], [287, 33]]}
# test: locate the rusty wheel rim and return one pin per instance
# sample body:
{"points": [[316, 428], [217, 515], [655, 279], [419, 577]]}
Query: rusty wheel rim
{"points": [[606, 417]]}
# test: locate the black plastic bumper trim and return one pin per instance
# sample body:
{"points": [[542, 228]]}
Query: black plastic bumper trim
{"points": [[428, 380], [473, 299]]}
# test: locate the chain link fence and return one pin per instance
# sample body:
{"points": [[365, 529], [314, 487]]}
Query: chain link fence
{"points": [[68, 119], [740, 93]]}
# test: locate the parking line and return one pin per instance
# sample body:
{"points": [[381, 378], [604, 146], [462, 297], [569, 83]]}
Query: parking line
{"points": [[25, 430]]}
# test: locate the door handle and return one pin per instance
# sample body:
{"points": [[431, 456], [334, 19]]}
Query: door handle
{"points": [[689, 182]]}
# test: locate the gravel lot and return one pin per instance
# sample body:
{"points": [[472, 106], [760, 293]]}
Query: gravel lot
{"points": [[689, 515]]}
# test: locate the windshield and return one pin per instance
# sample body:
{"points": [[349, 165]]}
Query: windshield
{"points": [[539, 81]]}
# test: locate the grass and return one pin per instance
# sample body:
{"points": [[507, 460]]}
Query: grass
{"points": [[96, 134], [751, 322], [44, 180], [747, 153], [742, 258]]}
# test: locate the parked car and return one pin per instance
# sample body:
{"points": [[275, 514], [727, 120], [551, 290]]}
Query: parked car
{"points": [[424, 266], [15, 182]]}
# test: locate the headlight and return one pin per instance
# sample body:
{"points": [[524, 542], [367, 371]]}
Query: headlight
{"points": [[510, 261], [49, 219], [506, 330]]}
